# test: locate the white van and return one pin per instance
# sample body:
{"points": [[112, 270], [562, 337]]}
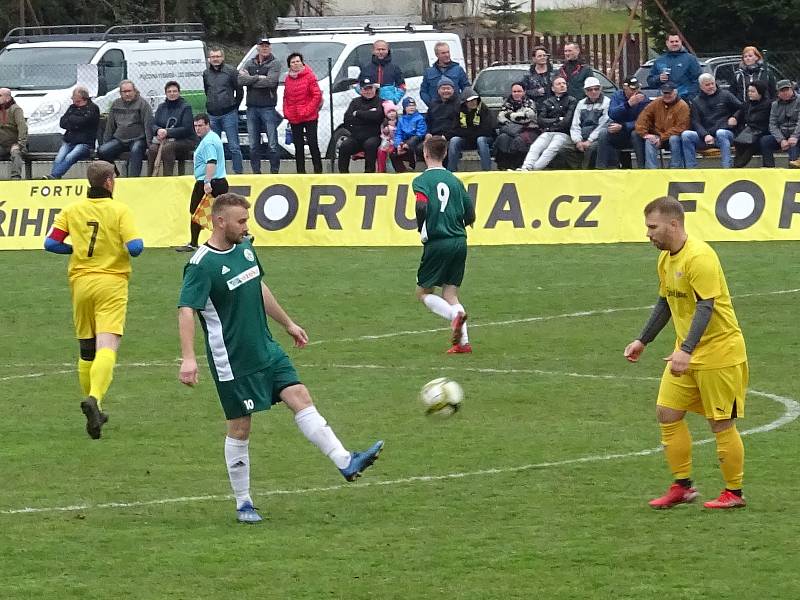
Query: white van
{"points": [[42, 66], [411, 49]]}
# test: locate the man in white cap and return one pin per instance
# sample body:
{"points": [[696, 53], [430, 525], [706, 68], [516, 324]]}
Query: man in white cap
{"points": [[589, 119]]}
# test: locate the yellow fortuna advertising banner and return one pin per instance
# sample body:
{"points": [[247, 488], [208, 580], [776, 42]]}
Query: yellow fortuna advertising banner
{"points": [[551, 207]]}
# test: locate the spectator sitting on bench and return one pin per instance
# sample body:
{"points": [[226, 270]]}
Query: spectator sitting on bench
{"points": [[411, 130], [13, 132], [129, 122], [660, 125], [443, 110], [588, 120], [784, 126], [712, 121], [752, 121], [474, 130], [363, 120], [80, 124], [626, 106], [172, 130]]}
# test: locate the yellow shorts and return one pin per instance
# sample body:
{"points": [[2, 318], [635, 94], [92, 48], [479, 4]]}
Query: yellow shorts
{"points": [[717, 394], [99, 304]]}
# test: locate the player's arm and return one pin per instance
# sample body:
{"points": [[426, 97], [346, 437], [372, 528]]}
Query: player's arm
{"points": [[679, 359], [54, 242], [127, 230], [469, 209], [659, 317], [700, 320], [275, 311], [135, 247], [188, 371], [421, 209]]}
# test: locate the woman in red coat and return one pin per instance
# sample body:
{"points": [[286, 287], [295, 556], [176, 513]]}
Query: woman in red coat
{"points": [[302, 100]]}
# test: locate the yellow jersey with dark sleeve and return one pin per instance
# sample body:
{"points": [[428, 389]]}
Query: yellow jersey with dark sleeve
{"points": [[691, 274], [99, 228]]}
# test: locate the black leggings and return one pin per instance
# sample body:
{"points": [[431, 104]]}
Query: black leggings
{"points": [[300, 140]]}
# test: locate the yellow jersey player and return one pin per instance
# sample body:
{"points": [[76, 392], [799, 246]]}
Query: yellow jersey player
{"points": [[103, 238], [707, 371]]}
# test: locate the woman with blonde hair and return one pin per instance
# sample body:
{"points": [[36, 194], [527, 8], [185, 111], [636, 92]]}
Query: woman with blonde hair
{"points": [[752, 68]]}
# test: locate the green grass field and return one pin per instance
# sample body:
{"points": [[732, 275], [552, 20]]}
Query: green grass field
{"points": [[536, 489], [580, 20]]}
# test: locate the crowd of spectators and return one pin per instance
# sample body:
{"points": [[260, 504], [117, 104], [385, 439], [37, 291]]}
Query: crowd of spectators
{"points": [[551, 118]]}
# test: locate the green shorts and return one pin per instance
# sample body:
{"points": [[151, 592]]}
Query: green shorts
{"points": [[256, 391], [442, 262]]}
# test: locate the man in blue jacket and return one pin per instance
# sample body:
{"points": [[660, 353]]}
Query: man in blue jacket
{"points": [[678, 66], [443, 67], [626, 105]]}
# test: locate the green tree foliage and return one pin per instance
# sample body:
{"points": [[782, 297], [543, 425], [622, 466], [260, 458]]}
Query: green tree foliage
{"points": [[715, 26], [235, 21], [503, 12]]}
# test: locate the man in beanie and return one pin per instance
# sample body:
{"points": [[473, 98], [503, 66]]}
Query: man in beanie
{"points": [[443, 110], [13, 132]]}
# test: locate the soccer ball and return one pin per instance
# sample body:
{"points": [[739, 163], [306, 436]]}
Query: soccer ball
{"points": [[441, 397]]}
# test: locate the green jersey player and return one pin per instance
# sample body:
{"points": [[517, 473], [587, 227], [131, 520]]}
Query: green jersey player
{"points": [[443, 210], [222, 284]]}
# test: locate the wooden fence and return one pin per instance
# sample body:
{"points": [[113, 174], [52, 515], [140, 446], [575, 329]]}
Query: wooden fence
{"points": [[597, 49]]}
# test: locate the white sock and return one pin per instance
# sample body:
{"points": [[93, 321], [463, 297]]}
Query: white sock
{"points": [[438, 306], [317, 431], [457, 308], [237, 458]]}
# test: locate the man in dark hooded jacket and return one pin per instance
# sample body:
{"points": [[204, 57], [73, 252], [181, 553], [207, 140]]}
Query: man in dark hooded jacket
{"points": [[474, 129], [381, 70]]}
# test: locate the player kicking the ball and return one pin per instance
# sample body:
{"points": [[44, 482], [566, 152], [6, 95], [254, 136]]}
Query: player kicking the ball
{"points": [[707, 371], [222, 283], [443, 209]]}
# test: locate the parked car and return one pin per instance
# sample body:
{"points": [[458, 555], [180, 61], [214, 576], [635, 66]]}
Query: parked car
{"points": [[721, 67], [493, 83]]}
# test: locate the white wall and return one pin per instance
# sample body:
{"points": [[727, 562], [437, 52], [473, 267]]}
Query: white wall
{"points": [[360, 7]]}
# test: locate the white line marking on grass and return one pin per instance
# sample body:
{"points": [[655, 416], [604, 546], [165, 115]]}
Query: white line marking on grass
{"points": [[792, 413], [580, 313]]}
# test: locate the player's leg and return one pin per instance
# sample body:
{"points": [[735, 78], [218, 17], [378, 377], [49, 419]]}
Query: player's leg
{"points": [[676, 395], [237, 461], [287, 386], [239, 398], [723, 392], [111, 305], [429, 275], [452, 278], [458, 313], [88, 348]]}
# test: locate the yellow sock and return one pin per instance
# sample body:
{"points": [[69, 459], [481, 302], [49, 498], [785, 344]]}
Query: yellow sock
{"points": [[102, 373], [677, 443], [730, 451], [84, 367]]}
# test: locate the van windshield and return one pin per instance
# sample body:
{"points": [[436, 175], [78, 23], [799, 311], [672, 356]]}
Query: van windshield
{"points": [[37, 68], [315, 55]]}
